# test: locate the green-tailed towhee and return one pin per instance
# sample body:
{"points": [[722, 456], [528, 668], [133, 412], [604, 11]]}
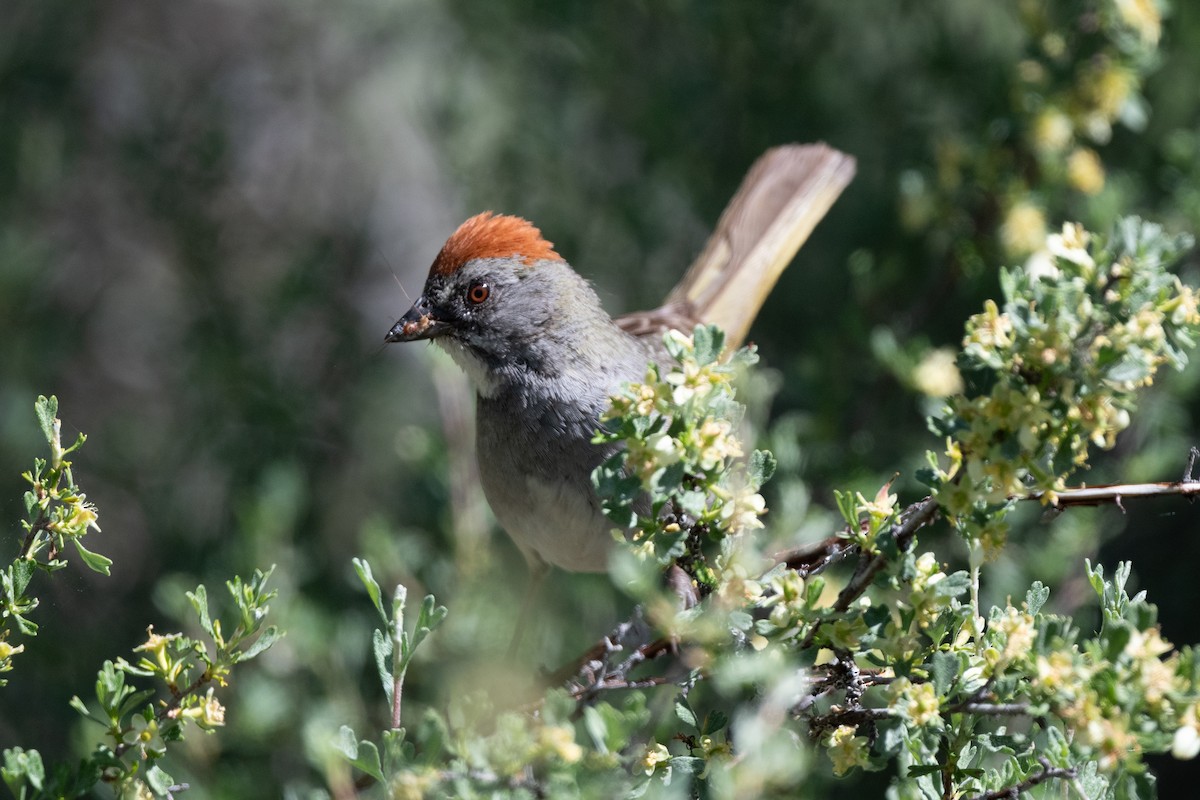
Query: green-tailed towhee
{"points": [[544, 356]]}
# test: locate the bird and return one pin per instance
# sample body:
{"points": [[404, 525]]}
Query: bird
{"points": [[544, 357]]}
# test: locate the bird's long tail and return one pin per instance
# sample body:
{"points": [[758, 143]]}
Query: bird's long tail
{"points": [[782, 198]]}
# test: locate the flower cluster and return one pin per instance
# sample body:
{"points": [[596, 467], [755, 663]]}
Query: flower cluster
{"points": [[677, 479], [57, 513], [1079, 76], [1064, 116], [917, 702], [189, 670], [1055, 369], [847, 749], [1156, 703]]}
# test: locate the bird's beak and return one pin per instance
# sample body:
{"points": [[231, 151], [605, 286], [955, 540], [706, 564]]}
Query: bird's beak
{"points": [[418, 323]]}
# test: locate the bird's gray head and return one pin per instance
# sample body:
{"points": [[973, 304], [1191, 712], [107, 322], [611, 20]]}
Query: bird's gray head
{"points": [[502, 302]]}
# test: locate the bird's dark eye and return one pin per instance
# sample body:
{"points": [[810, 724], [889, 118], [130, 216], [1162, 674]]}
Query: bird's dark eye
{"points": [[478, 292]]}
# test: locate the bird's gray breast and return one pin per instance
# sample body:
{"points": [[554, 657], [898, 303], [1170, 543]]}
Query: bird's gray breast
{"points": [[535, 464]]}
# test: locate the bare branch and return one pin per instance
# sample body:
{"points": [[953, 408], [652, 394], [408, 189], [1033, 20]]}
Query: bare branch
{"points": [[1118, 492], [993, 709], [1048, 773]]}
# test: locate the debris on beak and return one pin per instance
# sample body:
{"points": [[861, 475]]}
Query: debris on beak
{"points": [[418, 323]]}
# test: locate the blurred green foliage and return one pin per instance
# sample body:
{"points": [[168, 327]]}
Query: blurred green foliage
{"points": [[204, 209]]}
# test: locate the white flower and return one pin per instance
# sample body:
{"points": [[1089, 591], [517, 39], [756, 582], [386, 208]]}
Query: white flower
{"points": [[1143, 16], [1186, 744], [1071, 245], [1041, 265], [744, 511], [937, 375], [666, 449]]}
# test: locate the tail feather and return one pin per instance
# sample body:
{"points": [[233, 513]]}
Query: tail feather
{"points": [[787, 191]]}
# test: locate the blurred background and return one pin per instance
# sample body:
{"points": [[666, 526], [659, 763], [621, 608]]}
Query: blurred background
{"points": [[211, 212]]}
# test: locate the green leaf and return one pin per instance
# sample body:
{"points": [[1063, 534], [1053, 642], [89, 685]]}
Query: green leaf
{"points": [[685, 714], [21, 767], [926, 476], [363, 568], [715, 721], [847, 503], [46, 409], [761, 467], [689, 764], [78, 443], [21, 572], [94, 561], [364, 755], [953, 585], [26, 626], [709, 340], [918, 770], [693, 502], [399, 753], [381, 646], [1130, 369], [596, 727], [430, 616], [159, 781], [943, 668], [199, 601], [79, 706], [1036, 597], [264, 641]]}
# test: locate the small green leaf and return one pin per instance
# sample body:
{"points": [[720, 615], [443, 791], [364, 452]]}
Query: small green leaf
{"points": [[21, 572], [25, 625], [268, 637], [916, 771], [943, 668], [1091, 781], [709, 340], [761, 467], [94, 561], [363, 568], [1036, 597], [346, 742], [927, 476], [78, 443], [381, 646], [431, 614], [159, 781], [596, 727], [689, 764], [364, 755], [715, 721], [1131, 369], [847, 503], [79, 706], [953, 585], [21, 767], [685, 714], [46, 409], [199, 600]]}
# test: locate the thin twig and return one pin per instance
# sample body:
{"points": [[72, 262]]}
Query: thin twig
{"points": [[1117, 492], [1012, 792], [849, 716], [397, 693], [992, 709]]}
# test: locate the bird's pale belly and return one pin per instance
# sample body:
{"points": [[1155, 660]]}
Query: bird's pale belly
{"points": [[555, 524]]}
